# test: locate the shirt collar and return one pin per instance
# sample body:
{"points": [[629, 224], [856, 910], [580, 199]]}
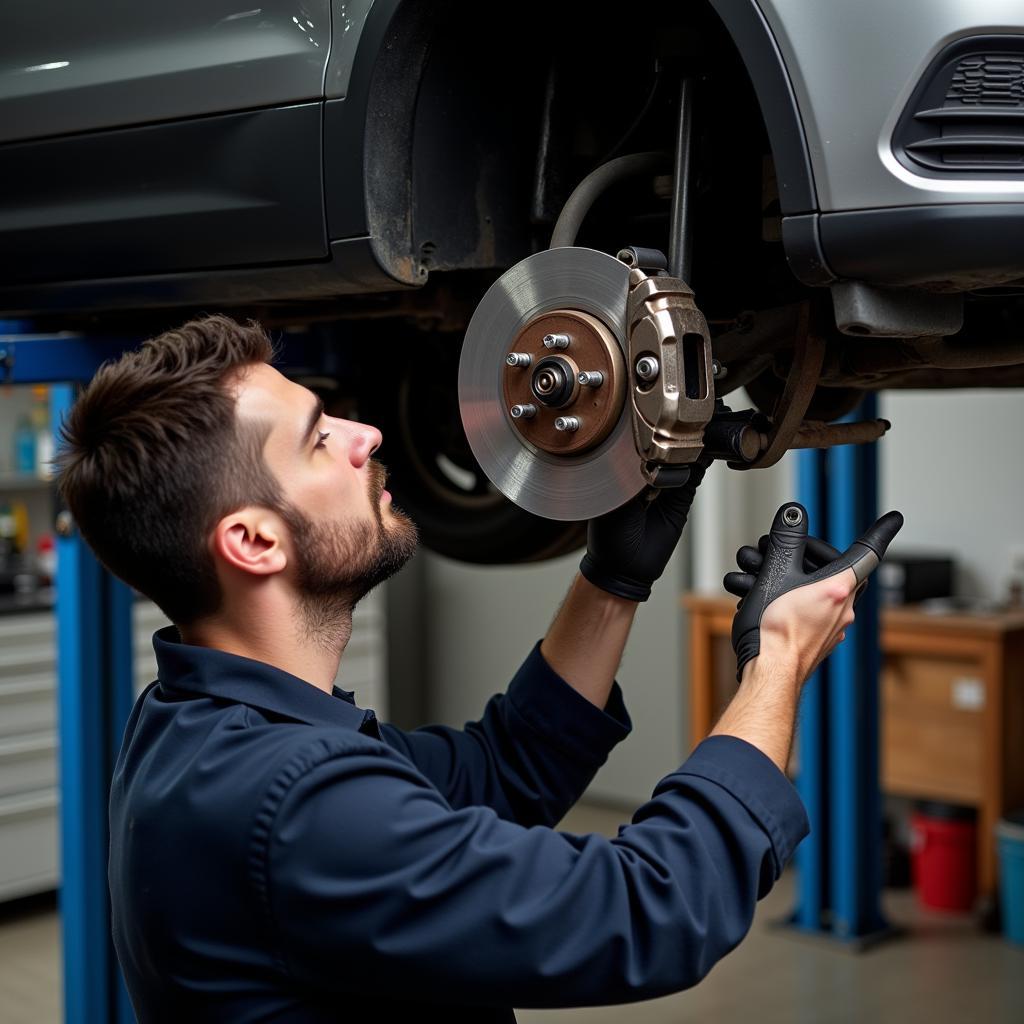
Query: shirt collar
{"points": [[209, 672]]}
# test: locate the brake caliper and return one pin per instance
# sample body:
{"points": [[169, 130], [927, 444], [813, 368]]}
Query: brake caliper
{"points": [[670, 376]]}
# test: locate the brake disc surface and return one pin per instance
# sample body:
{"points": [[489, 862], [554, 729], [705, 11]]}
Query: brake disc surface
{"points": [[576, 485]]}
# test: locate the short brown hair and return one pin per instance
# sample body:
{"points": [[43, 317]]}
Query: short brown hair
{"points": [[152, 457]]}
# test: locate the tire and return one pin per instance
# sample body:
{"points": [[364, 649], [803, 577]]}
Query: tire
{"points": [[434, 477]]}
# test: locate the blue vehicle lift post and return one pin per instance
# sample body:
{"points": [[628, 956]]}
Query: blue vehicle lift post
{"points": [[839, 865], [94, 688]]}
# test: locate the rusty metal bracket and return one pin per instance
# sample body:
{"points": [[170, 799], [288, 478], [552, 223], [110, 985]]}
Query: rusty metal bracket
{"points": [[814, 434], [788, 415], [669, 374]]}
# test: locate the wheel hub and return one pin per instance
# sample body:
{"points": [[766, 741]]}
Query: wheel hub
{"points": [[551, 382]]}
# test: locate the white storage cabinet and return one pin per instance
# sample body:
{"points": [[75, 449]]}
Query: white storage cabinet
{"points": [[29, 791]]}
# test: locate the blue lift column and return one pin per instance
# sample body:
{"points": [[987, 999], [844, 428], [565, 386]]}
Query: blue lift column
{"points": [[94, 663], [839, 865]]}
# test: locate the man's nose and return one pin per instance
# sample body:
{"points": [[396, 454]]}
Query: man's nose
{"points": [[366, 440]]}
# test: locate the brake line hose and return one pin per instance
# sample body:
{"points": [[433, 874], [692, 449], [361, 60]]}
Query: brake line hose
{"points": [[587, 191]]}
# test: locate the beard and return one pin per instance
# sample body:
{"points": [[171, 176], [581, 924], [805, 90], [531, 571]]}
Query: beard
{"points": [[338, 564]]}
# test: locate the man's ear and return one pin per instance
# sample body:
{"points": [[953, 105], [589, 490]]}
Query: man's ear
{"points": [[251, 540]]}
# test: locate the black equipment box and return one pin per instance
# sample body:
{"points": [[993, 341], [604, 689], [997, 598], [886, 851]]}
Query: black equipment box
{"points": [[909, 579]]}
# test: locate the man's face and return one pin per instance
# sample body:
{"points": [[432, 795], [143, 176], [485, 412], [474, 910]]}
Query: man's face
{"points": [[346, 535]]}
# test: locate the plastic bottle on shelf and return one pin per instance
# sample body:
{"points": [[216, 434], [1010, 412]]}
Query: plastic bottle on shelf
{"points": [[42, 430], [24, 446], [8, 534], [46, 560], [19, 510]]}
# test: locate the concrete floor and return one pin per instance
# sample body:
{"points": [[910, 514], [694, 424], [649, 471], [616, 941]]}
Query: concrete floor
{"points": [[30, 991], [943, 970]]}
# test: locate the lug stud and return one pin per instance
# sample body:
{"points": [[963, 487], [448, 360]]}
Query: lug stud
{"points": [[556, 340], [570, 424], [518, 359], [523, 412], [591, 378]]}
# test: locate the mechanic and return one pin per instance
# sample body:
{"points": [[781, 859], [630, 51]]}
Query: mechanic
{"points": [[276, 853]]}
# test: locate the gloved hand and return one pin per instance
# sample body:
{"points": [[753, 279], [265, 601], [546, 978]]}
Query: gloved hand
{"points": [[786, 559], [629, 547]]}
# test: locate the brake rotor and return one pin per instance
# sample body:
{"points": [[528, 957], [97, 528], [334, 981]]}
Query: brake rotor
{"points": [[558, 447]]}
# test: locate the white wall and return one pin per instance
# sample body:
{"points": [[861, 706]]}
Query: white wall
{"points": [[483, 621], [734, 508], [952, 465]]}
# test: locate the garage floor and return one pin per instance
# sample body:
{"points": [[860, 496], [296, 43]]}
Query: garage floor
{"points": [[944, 971], [29, 967]]}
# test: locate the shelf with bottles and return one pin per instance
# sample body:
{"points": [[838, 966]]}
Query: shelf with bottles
{"points": [[14, 482], [27, 558], [27, 496], [32, 439]]}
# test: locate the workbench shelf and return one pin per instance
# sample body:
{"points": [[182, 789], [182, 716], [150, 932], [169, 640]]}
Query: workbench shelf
{"points": [[19, 483]]}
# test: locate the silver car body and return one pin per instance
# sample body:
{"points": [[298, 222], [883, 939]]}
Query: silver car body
{"points": [[853, 66], [314, 176], [68, 68]]}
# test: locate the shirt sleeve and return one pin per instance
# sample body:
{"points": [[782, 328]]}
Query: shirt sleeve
{"points": [[532, 753], [368, 875]]}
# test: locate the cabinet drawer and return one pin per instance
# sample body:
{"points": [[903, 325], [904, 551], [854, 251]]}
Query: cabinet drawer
{"points": [[29, 705], [932, 727], [29, 656], [27, 763], [28, 838], [32, 628]]}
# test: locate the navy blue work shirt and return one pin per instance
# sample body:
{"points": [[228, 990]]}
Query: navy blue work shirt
{"points": [[276, 854]]}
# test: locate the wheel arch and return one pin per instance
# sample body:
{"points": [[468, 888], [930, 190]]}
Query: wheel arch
{"points": [[424, 203], [760, 54]]}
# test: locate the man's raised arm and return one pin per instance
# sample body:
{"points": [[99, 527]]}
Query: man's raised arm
{"points": [[536, 747]]}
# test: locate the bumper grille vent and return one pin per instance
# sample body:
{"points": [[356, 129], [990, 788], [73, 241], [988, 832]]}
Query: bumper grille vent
{"points": [[966, 118], [990, 79]]}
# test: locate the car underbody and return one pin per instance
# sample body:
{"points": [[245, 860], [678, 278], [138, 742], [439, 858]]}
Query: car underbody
{"points": [[451, 159]]}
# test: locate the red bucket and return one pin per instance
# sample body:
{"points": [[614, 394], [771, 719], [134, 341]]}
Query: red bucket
{"points": [[944, 844]]}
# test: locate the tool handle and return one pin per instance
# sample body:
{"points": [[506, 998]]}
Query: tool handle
{"points": [[783, 567]]}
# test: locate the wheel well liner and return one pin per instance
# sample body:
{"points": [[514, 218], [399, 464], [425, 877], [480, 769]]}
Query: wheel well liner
{"points": [[760, 54]]}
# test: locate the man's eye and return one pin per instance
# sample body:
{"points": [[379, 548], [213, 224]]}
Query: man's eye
{"points": [[321, 437]]}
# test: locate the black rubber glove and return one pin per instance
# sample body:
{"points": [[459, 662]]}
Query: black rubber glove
{"points": [[629, 547], [788, 558]]}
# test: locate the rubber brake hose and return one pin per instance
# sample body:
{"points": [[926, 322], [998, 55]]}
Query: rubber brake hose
{"points": [[598, 181]]}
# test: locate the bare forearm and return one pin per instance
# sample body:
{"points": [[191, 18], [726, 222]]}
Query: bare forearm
{"points": [[585, 642], [763, 712]]}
